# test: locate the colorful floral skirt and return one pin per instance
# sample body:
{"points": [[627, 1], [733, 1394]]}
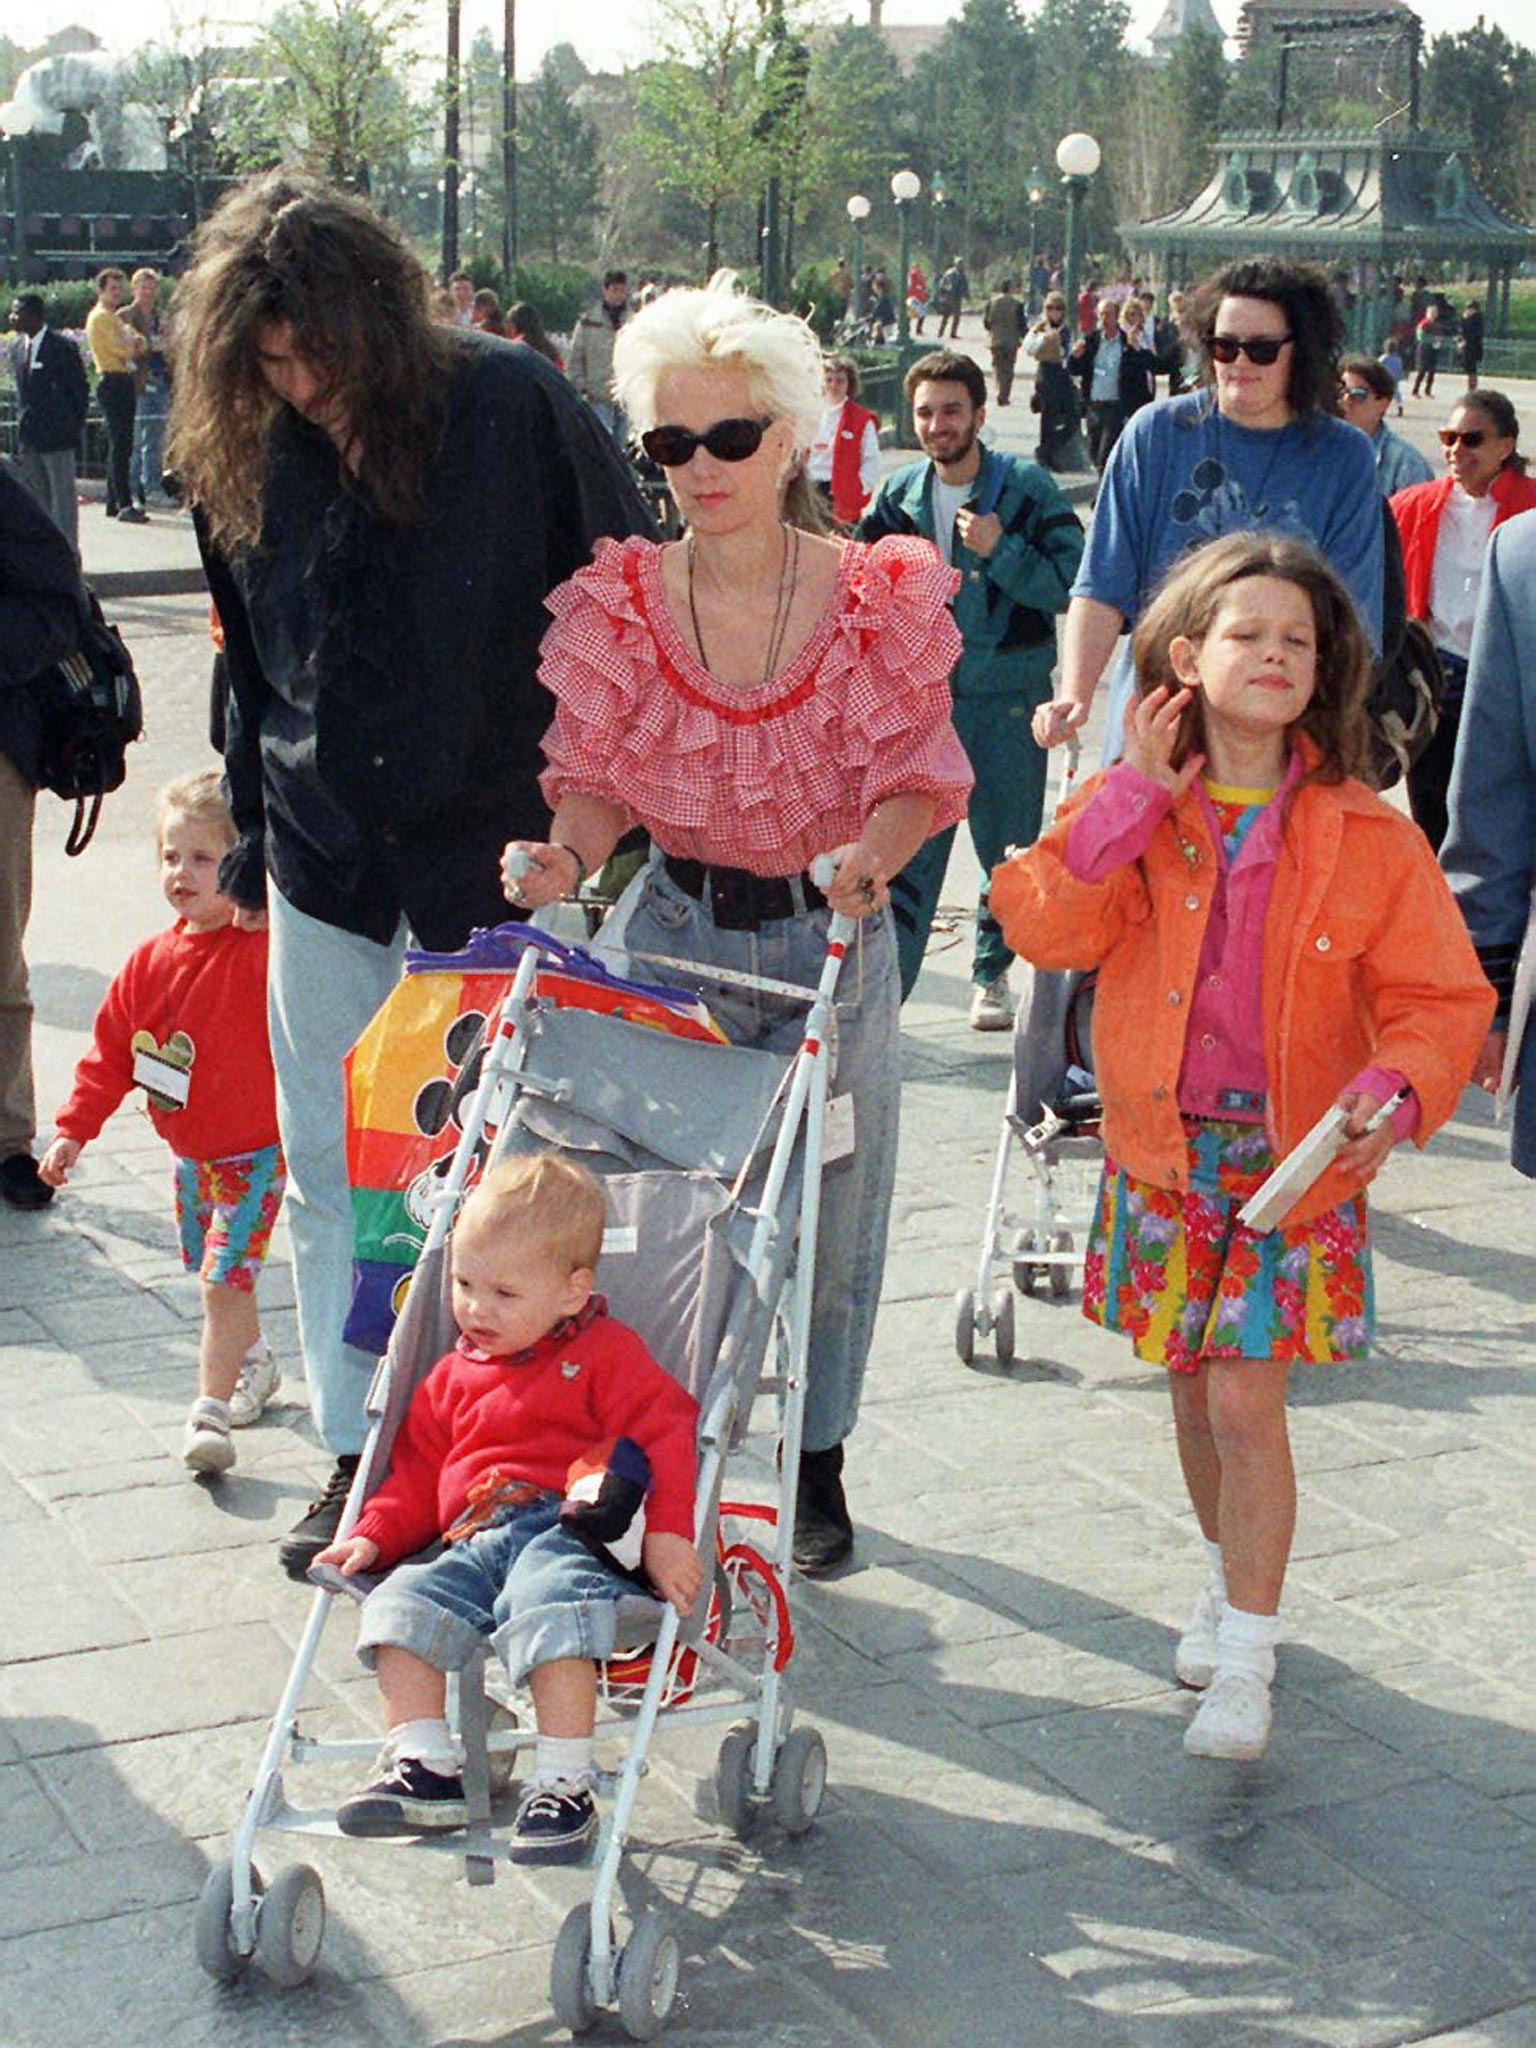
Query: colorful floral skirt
{"points": [[1179, 1275]]}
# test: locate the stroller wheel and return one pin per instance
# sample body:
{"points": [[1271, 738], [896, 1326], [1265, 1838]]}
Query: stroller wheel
{"points": [[1025, 1274], [501, 1764], [291, 1926], [1002, 1325], [212, 1934], [965, 1325], [1061, 1276], [649, 1970], [799, 1780], [734, 1794], [570, 1978]]}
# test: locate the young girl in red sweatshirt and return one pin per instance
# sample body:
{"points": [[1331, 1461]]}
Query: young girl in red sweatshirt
{"points": [[186, 1021]]}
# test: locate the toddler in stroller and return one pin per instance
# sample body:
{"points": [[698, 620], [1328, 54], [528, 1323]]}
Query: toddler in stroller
{"points": [[541, 1382]]}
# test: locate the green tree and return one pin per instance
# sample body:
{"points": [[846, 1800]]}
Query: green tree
{"points": [[844, 139], [559, 174], [968, 95], [697, 109], [1482, 85], [337, 99], [1172, 115]]}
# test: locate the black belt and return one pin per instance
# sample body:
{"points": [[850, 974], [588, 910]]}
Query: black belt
{"points": [[740, 901]]}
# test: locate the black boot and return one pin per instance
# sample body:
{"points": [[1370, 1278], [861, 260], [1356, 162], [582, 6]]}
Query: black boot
{"points": [[309, 1536], [823, 1527]]}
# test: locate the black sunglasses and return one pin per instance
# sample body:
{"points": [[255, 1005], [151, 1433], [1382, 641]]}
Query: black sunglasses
{"points": [[1469, 437], [1358, 392], [726, 440], [1263, 349]]}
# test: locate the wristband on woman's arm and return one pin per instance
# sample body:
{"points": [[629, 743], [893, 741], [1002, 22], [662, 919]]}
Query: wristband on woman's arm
{"points": [[564, 846]]}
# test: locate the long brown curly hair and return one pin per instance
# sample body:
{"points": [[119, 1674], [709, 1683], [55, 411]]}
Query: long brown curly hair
{"points": [[1185, 607], [287, 246]]}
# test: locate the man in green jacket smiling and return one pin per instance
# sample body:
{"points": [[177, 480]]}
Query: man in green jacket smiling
{"points": [[1004, 524]]}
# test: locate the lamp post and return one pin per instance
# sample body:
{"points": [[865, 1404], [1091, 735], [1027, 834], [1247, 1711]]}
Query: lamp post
{"points": [[1077, 158], [936, 194], [1036, 191], [858, 213], [905, 186]]}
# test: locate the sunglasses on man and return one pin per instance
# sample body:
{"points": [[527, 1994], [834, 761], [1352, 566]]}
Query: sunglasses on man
{"points": [[726, 440], [1469, 437], [1263, 349], [1357, 394]]}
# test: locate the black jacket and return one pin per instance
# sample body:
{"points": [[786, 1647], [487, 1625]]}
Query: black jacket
{"points": [[41, 601], [383, 713], [1138, 373], [51, 396]]}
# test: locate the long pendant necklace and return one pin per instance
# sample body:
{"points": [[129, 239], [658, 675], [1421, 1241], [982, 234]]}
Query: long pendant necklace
{"points": [[789, 577]]}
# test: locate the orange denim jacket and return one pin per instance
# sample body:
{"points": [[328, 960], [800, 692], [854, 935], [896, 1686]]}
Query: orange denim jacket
{"points": [[1366, 963]]}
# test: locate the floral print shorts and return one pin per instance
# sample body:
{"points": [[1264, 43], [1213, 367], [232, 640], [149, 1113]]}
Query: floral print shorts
{"points": [[1179, 1275], [225, 1211]]}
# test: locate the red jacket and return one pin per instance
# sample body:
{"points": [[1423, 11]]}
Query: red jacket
{"points": [[848, 496], [1417, 512], [1366, 962], [530, 1417], [211, 987]]}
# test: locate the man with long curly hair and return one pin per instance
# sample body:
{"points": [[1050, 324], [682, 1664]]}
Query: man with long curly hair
{"points": [[382, 504]]}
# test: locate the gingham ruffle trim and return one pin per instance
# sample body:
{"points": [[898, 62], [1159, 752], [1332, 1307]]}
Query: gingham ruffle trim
{"points": [[768, 777]]}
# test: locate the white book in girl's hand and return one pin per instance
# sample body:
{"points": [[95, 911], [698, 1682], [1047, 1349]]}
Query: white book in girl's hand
{"points": [[1304, 1162], [1295, 1173]]}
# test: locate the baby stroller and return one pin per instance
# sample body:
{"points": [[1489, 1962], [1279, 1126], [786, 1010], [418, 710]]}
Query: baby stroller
{"points": [[1053, 1117], [710, 1156]]}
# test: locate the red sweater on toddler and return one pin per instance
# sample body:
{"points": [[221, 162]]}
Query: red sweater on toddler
{"points": [[529, 1416], [212, 987]]}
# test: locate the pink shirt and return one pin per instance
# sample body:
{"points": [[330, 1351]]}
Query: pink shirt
{"points": [[1223, 1073], [764, 778]]}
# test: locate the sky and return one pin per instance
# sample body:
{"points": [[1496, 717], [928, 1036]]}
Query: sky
{"points": [[612, 33]]}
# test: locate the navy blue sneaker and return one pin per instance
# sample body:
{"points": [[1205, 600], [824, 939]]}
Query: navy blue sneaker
{"points": [[406, 1799], [554, 1824]]}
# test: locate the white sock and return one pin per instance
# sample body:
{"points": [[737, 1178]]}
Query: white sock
{"points": [[563, 1756], [1246, 1642], [1218, 1569], [428, 1743], [217, 1412]]}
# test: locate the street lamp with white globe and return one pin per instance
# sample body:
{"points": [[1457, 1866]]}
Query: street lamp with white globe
{"points": [[1077, 158], [905, 186], [858, 213]]}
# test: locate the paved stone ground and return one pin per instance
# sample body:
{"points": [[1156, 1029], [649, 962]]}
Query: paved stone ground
{"points": [[1014, 1850]]}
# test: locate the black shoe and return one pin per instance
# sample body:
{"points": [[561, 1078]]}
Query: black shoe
{"points": [[823, 1526], [20, 1183], [554, 1824], [133, 515], [307, 1538], [406, 1799]]}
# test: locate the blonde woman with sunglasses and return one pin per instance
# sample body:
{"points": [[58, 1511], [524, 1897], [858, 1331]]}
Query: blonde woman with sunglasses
{"points": [[757, 695], [1256, 446]]}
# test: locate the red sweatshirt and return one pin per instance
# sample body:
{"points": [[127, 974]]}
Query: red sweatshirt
{"points": [[211, 986], [529, 1417]]}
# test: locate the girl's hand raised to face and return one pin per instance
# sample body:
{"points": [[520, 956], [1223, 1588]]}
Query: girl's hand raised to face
{"points": [[1151, 732]]}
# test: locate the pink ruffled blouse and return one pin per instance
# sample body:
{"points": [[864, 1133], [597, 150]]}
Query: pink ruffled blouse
{"points": [[769, 777]]}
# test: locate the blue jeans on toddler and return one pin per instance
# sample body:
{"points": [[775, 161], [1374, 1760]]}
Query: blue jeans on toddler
{"points": [[536, 1591]]}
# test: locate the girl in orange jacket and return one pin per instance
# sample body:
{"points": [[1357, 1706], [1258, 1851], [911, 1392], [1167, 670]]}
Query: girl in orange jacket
{"points": [[1271, 939]]}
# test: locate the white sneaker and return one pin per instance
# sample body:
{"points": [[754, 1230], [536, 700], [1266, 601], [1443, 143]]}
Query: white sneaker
{"points": [[1194, 1659], [205, 1444], [259, 1380], [1233, 1720], [992, 1005]]}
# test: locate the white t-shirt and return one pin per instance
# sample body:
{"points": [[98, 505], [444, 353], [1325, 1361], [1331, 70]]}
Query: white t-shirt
{"points": [[947, 500], [1461, 548]]}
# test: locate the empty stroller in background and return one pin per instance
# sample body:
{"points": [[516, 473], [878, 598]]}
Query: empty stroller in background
{"points": [[1052, 1117], [710, 1157]]}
